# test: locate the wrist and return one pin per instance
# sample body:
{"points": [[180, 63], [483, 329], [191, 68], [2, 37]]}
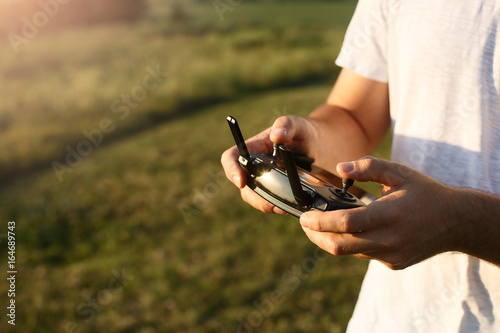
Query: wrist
{"points": [[460, 218], [478, 229]]}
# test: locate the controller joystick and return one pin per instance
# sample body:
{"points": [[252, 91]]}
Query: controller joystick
{"points": [[346, 183]]}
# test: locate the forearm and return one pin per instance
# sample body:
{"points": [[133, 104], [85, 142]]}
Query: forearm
{"points": [[479, 216], [353, 121], [340, 137]]}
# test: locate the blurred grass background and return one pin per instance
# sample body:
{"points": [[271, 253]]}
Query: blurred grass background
{"points": [[144, 234]]}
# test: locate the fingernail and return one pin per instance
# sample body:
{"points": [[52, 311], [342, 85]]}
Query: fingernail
{"points": [[346, 167], [237, 181], [304, 221], [281, 131]]}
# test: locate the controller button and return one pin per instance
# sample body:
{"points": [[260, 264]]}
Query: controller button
{"points": [[320, 204]]}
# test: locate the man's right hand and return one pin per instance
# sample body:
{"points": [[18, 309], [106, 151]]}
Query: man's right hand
{"points": [[297, 133], [351, 124]]}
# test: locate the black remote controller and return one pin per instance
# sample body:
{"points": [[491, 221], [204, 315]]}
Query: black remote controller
{"points": [[279, 180]]}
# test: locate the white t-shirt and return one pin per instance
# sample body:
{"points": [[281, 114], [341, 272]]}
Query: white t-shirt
{"points": [[441, 60]]}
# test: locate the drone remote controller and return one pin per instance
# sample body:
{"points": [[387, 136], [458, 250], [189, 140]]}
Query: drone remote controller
{"points": [[294, 189]]}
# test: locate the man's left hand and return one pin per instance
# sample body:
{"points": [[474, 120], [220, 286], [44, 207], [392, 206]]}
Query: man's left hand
{"points": [[414, 220]]}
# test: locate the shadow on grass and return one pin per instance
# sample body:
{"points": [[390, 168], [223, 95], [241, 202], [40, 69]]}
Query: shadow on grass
{"points": [[154, 118]]}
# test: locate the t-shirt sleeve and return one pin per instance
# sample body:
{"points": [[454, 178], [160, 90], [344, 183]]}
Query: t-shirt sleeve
{"points": [[364, 49]]}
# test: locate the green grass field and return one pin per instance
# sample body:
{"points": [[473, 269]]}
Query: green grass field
{"points": [[142, 232]]}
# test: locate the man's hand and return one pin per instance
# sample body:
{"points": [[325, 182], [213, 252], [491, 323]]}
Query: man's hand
{"points": [[414, 220], [297, 133], [351, 124]]}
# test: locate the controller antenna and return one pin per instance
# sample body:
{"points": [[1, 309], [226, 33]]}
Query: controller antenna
{"points": [[301, 196], [346, 183]]}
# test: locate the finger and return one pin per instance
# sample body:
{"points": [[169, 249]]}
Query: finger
{"points": [[288, 128], [259, 203], [232, 168], [345, 220], [260, 143], [377, 170], [338, 221], [364, 243], [380, 214]]}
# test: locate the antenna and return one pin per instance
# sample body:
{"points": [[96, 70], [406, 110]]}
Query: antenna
{"points": [[301, 196], [238, 138]]}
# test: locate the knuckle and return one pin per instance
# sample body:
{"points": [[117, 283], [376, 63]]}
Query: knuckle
{"points": [[368, 161], [404, 172], [365, 168], [346, 223], [318, 224], [336, 248], [316, 221]]}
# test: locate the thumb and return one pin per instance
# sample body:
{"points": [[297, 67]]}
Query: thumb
{"points": [[376, 170], [288, 128]]}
